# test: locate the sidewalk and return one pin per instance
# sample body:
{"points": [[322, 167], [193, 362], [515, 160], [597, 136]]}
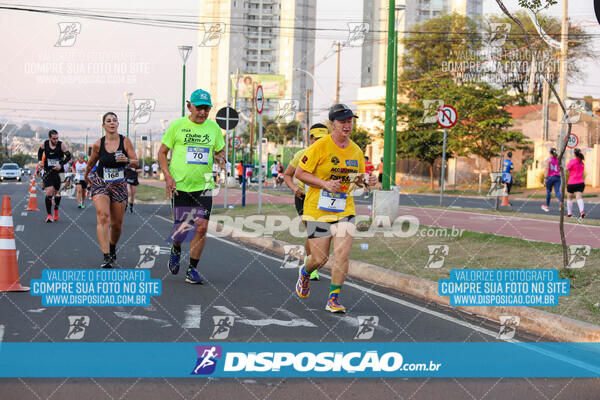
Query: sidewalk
{"points": [[516, 227]]}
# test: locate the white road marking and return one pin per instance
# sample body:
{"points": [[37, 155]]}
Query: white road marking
{"points": [[193, 315], [124, 315], [1, 333], [20, 228], [422, 309], [264, 319], [24, 214], [36, 310]]}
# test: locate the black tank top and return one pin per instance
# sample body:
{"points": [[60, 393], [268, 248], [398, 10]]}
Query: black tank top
{"points": [[107, 160], [53, 156]]}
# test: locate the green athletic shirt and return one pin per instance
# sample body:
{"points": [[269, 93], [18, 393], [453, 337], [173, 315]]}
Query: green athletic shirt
{"points": [[193, 147]]}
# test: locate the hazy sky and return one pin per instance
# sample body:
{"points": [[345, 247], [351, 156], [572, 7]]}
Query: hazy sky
{"points": [[69, 87]]}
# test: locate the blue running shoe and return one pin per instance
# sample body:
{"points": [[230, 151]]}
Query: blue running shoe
{"points": [[192, 276], [174, 261]]}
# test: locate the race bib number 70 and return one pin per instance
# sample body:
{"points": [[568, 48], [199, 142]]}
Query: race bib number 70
{"points": [[197, 155]]}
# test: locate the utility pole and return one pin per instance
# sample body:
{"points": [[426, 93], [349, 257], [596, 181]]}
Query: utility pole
{"points": [[337, 75], [308, 92], [390, 102], [563, 73], [545, 106]]}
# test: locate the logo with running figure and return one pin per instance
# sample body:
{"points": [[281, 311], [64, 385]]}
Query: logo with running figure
{"points": [[77, 326], [579, 254], [366, 326], [498, 33], [212, 34], [222, 327], [508, 326], [142, 110], [207, 359], [335, 160], [68, 34], [437, 255]]}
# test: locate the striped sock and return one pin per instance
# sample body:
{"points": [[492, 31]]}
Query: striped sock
{"points": [[334, 290]]}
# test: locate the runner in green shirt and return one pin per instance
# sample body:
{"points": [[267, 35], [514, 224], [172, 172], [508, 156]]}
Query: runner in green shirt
{"points": [[196, 143]]}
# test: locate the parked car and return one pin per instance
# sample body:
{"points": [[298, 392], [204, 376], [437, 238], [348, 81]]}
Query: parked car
{"points": [[10, 171]]}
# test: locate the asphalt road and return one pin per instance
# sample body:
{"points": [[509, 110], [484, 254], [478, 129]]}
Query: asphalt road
{"points": [[242, 283]]}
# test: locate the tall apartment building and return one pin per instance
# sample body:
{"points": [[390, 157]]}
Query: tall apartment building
{"points": [[264, 40]]}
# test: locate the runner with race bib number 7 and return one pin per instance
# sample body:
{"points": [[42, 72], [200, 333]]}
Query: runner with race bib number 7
{"points": [[331, 167]]}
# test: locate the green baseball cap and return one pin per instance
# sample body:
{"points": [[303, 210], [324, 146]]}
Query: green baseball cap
{"points": [[200, 98]]}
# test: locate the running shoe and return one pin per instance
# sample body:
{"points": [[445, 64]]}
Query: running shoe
{"points": [[49, 219], [174, 259], [56, 214], [583, 214], [569, 215], [545, 208], [82, 206], [131, 208], [78, 205], [334, 306], [192, 276], [106, 263], [303, 284], [314, 276]]}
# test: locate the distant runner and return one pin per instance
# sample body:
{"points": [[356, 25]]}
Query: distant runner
{"points": [[55, 155], [78, 169], [576, 183]]}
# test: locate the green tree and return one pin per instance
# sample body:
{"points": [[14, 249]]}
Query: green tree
{"points": [[514, 71], [416, 139], [22, 159], [280, 132], [361, 137], [430, 45], [482, 127]]}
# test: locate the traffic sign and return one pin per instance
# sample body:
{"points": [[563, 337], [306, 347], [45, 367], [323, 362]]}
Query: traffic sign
{"points": [[237, 144], [447, 116], [573, 141], [227, 118], [260, 99]]}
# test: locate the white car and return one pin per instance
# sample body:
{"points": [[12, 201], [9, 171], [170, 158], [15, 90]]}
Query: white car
{"points": [[10, 171]]}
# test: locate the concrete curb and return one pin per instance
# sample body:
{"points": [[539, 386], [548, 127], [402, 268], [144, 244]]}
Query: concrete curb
{"points": [[548, 325]]}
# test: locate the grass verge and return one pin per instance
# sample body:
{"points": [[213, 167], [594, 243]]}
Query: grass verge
{"points": [[466, 250], [150, 193]]}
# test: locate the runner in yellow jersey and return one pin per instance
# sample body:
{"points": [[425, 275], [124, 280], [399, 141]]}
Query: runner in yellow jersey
{"points": [[331, 167], [316, 132]]}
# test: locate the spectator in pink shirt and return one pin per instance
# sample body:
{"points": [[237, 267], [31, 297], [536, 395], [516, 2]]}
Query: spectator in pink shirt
{"points": [[575, 184]]}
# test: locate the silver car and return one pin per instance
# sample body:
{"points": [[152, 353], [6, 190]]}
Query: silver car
{"points": [[10, 171]]}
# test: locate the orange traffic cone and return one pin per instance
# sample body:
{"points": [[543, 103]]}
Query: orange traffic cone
{"points": [[505, 202], [32, 206], [9, 269]]}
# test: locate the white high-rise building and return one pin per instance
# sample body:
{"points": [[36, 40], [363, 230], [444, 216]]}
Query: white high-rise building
{"points": [[265, 41]]}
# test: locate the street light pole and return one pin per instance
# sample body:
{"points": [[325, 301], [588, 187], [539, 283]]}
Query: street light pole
{"points": [[390, 102], [128, 99], [185, 52]]}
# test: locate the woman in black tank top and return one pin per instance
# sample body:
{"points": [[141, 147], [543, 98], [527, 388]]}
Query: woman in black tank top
{"points": [[112, 153]]}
